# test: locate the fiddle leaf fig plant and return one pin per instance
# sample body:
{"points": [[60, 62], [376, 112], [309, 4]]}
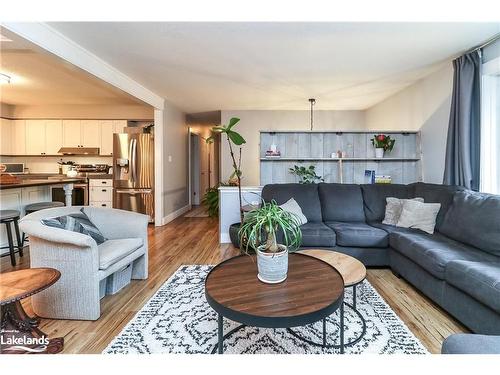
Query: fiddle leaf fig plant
{"points": [[234, 139]]}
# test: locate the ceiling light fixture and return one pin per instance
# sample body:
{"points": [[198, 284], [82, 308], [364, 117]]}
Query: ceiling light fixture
{"points": [[4, 78], [313, 102]]}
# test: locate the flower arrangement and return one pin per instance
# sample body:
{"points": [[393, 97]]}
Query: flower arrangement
{"points": [[383, 141]]}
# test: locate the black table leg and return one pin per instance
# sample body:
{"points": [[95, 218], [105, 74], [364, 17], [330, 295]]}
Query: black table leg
{"points": [[11, 244], [324, 331], [354, 297], [341, 328], [20, 244], [220, 334]]}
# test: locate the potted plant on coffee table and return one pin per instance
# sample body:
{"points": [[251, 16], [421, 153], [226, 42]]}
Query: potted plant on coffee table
{"points": [[261, 229], [382, 143]]}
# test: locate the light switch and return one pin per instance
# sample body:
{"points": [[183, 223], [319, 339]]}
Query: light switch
{"points": [[170, 158]]}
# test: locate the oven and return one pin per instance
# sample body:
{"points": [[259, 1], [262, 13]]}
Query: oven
{"points": [[80, 195]]}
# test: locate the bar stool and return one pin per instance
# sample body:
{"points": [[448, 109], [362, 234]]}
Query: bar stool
{"points": [[34, 207], [7, 217]]}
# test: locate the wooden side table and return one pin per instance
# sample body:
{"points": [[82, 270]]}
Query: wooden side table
{"points": [[19, 332]]}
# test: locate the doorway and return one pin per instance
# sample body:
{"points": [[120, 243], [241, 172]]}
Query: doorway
{"points": [[195, 168]]}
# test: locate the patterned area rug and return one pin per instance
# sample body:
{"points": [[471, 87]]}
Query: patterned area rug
{"points": [[178, 319]]}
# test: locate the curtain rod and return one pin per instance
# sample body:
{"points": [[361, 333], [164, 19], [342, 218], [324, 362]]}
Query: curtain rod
{"points": [[487, 42]]}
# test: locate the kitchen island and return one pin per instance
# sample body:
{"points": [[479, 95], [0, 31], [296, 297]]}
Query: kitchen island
{"points": [[27, 191]]}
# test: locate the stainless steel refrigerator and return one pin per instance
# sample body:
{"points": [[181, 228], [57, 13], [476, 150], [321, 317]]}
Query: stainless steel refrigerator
{"points": [[133, 173]]}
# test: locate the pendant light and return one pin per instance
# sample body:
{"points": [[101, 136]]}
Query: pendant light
{"points": [[313, 102]]}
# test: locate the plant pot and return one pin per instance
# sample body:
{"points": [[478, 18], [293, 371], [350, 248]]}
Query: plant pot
{"points": [[233, 234], [273, 267], [379, 153]]}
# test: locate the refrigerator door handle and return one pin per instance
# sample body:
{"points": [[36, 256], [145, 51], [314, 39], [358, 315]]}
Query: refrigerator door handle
{"points": [[131, 159], [134, 159]]}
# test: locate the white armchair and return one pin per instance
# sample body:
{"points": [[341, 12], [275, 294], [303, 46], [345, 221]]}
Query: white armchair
{"points": [[82, 263]]}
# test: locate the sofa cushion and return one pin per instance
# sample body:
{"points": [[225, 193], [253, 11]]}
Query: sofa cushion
{"points": [[434, 193], [317, 234], [359, 235], [374, 196], [306, 195], [419, 215], [478, 279], [392, 228], [393, 209], [433, 252], [293, 208], [341, 202], [474, 218], [112, 251]]}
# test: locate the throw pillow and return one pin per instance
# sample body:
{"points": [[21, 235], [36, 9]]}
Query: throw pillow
{"points": [[419, 215], [393, 209], [76, 222], [293, 207]]}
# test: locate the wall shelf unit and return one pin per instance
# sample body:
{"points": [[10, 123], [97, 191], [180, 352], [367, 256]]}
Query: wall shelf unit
{"points": [[305, 148]]}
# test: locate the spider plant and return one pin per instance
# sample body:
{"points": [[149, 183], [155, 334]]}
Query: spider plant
{"points": [[262, 226]]}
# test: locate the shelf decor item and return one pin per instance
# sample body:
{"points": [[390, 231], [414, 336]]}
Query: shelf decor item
{"points": [[260, 231], [382, 143], [306, 175]]}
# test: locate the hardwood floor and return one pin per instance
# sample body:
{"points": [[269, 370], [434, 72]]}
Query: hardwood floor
{"points": [[194, 240]]}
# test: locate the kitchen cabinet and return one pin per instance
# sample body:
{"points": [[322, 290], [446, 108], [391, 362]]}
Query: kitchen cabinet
{"points": [[91, 133], [18, 137], [108, 128], [43, 137], [5, 136], [118, 126], [71, 133], [101, 192]]}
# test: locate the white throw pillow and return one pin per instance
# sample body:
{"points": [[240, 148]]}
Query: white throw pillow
{"points": [[419, 215], [393, 209], [293, 207]]}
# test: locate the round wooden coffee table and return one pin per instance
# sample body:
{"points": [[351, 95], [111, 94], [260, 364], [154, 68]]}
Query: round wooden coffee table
{"points": [[312, 291], [353, 273], [19, 332]]}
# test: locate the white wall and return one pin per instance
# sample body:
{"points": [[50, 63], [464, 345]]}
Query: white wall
{"points": [[254, 121], [175, 172], [423, 106]]}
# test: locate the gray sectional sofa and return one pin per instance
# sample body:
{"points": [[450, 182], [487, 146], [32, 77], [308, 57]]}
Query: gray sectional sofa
{"points": [[458, 266]]}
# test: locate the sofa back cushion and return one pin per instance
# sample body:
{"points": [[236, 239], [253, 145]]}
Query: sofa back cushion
{"points": [[306, 195], [341, 202], [433, 193], [474, 219], [374, 196]]}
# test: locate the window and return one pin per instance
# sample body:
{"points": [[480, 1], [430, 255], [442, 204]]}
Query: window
{"points": [[490, 126]]}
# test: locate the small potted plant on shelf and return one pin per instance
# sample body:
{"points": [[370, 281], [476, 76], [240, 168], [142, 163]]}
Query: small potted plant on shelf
{"points": [[306, 175], [382, 143], [260, 231]]}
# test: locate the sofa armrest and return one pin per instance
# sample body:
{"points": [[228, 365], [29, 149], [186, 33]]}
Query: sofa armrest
{"points": [[37, 229], [115, 224]]}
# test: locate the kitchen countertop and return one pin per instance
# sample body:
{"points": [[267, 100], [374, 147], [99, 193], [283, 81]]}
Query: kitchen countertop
{"points": [[40, 182]]}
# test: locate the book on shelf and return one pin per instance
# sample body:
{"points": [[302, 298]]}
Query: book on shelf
{"points": [[272, 154], [369, 176], [383, 179]]}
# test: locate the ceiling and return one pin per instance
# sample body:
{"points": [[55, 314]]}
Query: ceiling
{"points": [[220, 66], [39, 78]]}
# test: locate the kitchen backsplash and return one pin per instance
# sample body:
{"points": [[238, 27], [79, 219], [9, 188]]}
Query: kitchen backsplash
{"points": [[49, 164]]}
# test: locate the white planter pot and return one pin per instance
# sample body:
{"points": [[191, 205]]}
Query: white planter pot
{"points": [[273, 267], [379, 153]]}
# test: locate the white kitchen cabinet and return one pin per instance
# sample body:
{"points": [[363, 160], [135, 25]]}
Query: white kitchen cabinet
{"points": [[118, 125], [5, 136], [71, 133], [91, 133], [35, 137], [101, 192], [43, 137], [53, 136], [107, 130], [18, 137]]}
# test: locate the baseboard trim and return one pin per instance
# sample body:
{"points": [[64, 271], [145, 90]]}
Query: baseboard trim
{"points": [[224, 238], [174, 215]]}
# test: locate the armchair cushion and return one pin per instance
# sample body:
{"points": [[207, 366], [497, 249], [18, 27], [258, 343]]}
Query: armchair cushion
{"points": [[76, 222], [112, 251]]}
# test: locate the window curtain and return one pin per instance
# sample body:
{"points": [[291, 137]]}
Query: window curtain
{"points": [[463, 146]]}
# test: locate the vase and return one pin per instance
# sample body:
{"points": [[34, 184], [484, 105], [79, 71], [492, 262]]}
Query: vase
{"points": [[272, 267], [379, 153]]}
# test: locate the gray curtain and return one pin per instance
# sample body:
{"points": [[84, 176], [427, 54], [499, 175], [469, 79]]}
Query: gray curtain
{"points": [[463, 144]]}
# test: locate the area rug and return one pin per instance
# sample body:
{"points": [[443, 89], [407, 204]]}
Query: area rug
{"points": [[178, 319]]}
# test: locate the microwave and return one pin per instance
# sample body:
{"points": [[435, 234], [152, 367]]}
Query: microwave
{"points": [[12, 168]]}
